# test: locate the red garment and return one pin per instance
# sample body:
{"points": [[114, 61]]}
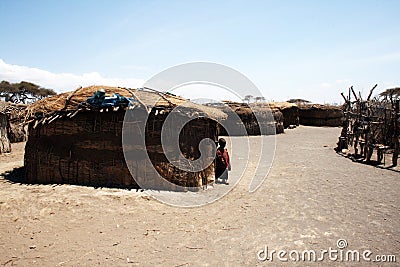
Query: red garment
{"points": [[223, 157]]}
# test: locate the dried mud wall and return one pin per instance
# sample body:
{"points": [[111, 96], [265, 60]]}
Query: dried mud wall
{"points": [[87, 150], [5, 145], [254, 119], [319, 115], [16, 115], [290, 116], [17, 133]]}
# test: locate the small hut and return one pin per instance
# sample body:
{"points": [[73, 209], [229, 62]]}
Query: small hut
{"points": [[321, 115], [256, 118], [15, 115], [70, 143], [290, 112]]}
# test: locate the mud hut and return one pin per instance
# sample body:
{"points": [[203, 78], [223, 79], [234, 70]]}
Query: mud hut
{"points": [[290, 112], [321, 115], [68, 143], [255, 117], [16, 115]]}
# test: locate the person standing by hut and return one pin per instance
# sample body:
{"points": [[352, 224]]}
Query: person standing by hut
{"points": [[222, 162]]}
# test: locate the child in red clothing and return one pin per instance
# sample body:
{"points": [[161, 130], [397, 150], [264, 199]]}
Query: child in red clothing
{"points": [[222, 163]]}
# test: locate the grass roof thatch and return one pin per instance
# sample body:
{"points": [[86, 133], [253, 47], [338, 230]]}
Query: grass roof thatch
{"points": [[148, 97], [281, 105], [243, 108], [394, 92], [3, 105], [320, 107]]}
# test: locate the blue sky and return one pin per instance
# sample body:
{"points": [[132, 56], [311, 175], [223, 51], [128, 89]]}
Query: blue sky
{"points": [[289, 49]]}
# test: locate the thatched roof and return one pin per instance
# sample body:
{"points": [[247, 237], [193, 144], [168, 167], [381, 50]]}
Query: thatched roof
{"points": [[3, 106], [394, 92], [8, 107], [148, 97], [320, 107], [244, 108], [281, 105]]}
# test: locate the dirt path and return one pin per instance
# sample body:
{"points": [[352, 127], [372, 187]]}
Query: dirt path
{"points": [[311, 198]]}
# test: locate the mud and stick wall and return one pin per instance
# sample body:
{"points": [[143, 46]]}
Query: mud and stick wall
{"points": [[319, 115], [87, 150], [5, 145]]}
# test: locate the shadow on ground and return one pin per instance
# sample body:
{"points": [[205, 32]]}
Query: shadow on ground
{"points": [[17, 175], [375, 163]]}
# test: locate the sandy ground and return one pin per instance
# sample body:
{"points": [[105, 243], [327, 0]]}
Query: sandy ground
{"points": [[311, 198]]}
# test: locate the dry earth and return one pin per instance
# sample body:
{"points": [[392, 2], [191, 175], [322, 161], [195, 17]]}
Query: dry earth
{"points": [[311, 198]]}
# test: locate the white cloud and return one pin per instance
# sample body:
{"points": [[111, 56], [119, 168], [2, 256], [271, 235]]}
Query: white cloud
{"points": [[60, 82], [326, 85], [343, 81]]}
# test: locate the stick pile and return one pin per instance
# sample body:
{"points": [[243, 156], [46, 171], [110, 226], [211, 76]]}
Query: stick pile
{"points": [[370, 124]]}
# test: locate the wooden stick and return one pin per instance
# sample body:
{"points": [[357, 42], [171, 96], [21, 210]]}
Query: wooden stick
{"points": [[70, 96], [396, 133], [345, 99], [370, 92], [354, 93]]}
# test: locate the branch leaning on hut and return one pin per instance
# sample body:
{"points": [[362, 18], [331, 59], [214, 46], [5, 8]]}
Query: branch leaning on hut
{"points": [[135, 96], [160, 94]]}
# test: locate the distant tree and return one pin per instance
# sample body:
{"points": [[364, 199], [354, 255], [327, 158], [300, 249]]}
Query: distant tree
{"points": [[23, 91], [259, 98], [298, 101], [248, 98]]}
